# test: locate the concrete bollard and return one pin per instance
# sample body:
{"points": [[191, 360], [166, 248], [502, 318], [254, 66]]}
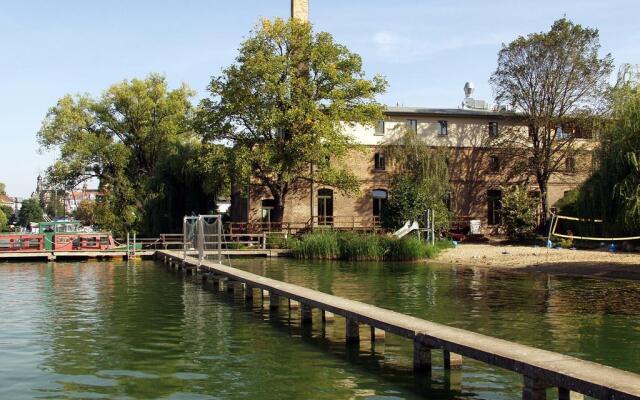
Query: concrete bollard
{"points": [[452, 360], [352, 331], [306, 314], [421, 355]]}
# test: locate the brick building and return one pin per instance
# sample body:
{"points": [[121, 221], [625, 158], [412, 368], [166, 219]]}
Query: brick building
{"points": [[478, 170]]}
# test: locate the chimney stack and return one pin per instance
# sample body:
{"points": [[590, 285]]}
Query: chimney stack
{"points": [[300, 10]]}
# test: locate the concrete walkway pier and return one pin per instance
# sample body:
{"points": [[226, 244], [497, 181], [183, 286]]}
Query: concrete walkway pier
{"points": [[541, 370]]}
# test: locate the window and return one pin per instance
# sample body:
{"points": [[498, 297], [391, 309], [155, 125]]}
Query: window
{"points": [[267, 209], [570, 164], [494, 207], [380, 128], [532, 131], [413, 125], [561, 133], [379, 162], [379, 201], [494, 164], [493, 129], [443, 128]]}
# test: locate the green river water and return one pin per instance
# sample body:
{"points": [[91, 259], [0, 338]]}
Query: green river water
{"points": [[108, 330]]}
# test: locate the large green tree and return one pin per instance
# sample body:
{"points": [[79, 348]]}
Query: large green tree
{"points": [[283, 107], [613, 192], [550, 78], [30, 211], [124, 139]]}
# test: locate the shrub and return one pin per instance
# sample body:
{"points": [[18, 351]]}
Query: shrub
{"points": [[360, 247], [519, 213], [318, 245]]}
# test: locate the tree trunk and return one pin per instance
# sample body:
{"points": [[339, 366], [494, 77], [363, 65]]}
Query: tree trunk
{"points": [[544, 202], [278, 210]]}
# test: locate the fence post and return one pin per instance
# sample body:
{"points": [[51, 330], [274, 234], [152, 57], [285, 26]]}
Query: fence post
{"points": [[128, 248], [184, 238], [134, 245], [200, 239], [264, 241], [219, 226]]}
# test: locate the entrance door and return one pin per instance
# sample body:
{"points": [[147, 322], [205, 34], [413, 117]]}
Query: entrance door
{"points": [[494, 207], [325, 207]]}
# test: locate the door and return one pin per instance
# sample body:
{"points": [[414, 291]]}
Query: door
{"points": [[325, 207]]}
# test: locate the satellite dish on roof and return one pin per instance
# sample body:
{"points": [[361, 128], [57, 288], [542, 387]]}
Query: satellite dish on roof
{"points": [[469, 87]]}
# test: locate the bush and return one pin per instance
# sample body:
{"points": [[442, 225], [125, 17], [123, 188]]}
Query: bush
{"points": [[363, 247], [519, 213], [276, 241]]}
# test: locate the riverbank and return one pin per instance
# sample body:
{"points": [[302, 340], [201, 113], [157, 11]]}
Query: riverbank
{"points": [[540, 259]]}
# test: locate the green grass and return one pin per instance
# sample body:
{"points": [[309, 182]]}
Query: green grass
{"points": [[363, 247]]}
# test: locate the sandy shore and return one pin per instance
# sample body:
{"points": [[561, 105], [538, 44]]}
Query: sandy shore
{"points": [[557, 261]]}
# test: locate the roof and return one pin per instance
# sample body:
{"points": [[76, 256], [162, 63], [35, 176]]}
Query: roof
{"points": [[455, 112], [6, 199]]}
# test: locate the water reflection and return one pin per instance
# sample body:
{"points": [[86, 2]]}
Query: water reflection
{"points": [[105, 330]]}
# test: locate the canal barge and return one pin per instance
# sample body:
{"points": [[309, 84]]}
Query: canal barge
{"points": [[57, 236]]}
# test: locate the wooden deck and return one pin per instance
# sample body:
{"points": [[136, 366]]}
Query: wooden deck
{"points": [[540, 369]]}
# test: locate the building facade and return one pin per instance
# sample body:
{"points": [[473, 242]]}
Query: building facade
{"points": [[479, 170]]}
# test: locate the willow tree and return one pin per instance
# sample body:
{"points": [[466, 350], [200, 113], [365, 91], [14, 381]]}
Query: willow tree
{"points": [[283, 107], [122, 139], [419, 181], [613, 192], [550, 78]]}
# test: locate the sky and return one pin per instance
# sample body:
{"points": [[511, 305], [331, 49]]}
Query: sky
{"points": [[427, 50]]}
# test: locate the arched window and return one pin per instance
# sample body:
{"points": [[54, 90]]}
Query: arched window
{"points": [[379, 201], [325, 206]]}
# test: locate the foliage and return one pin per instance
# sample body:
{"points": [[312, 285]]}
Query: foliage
{"points": [[86, 212], [30, 212], [363, 247], [420, 181], [519, 212], [613, 192], [550, 78], [4, 221], [126, 139], [3, 188], [283, 107], [276, 241], [7, 210], [567, 205], [54, 204]]}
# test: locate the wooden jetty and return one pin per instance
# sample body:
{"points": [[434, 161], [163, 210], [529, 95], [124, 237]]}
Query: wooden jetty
{"points": [[540, 369]]}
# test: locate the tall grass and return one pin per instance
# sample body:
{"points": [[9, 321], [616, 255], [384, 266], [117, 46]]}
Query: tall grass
{"points": [[363, 247]]}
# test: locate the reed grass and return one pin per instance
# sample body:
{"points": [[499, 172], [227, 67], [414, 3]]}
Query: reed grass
{"points": [[363, 247]]}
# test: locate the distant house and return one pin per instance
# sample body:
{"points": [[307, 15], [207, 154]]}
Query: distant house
{"points": [[13, 202]]}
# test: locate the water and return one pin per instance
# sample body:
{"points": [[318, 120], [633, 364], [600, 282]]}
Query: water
{"points": [[107, 330]]}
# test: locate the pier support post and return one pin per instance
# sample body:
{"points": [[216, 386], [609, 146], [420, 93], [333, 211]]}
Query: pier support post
{"points": [[352, 331], [421, 355], [248, 292], [293, 304], [274, 301], [215, 283], [377, 334], [451, 360], [533, 389], [327, 317], [566, 394], [306, 314]]}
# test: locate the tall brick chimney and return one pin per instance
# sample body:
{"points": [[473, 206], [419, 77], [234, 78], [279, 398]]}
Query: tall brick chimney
{"points": [[300, 9]]}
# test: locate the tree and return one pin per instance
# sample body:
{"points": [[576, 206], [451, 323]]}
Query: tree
{"points": [[284, 105], [122, 138], [519, 211], [613, 192], [420, 181], [30, 212], [2, 189], [550, 78], [86, 213], [4, 221]]}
